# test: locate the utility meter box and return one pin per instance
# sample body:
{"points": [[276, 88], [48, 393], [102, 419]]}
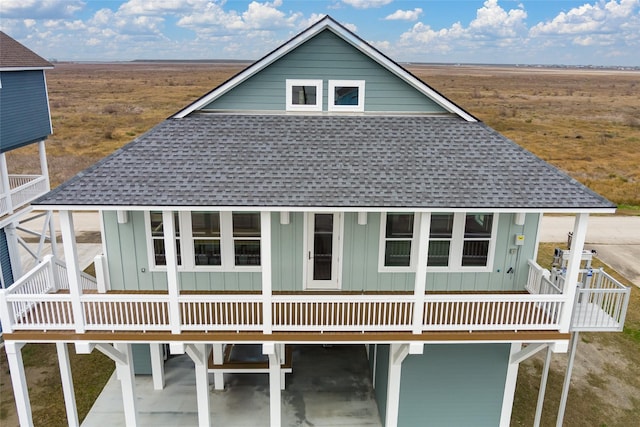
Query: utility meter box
{"points": [[519, 239]]}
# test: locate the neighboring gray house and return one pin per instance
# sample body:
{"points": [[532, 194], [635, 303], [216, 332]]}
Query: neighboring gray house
{"points": [[322, 195], [24, 120]]}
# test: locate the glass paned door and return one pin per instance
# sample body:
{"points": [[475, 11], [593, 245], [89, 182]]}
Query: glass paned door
{"points": [[322, 250]]}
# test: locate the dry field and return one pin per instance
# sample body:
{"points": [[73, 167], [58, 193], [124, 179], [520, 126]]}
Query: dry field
{"points": [[586, 122]]}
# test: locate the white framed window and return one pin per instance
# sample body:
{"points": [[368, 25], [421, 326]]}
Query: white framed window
{"points": [[397, 242], [346, 95], [458, 241], [208, 241], [462, 241], [304, 95]]}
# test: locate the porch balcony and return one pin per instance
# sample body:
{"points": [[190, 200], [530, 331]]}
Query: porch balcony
{"points": [[40, 301], [20, 190]]}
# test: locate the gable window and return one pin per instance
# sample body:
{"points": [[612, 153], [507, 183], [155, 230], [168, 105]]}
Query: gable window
{"points": [[396, 241], [304, 95], [462, 241], [346, 95], [209, 241], [157, 237]]}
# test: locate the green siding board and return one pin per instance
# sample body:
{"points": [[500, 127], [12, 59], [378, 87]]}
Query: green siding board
{"points": [[287, 254], [325, 57], [453, 385]]}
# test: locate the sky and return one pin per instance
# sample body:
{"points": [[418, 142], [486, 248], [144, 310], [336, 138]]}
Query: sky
{"points": [[587, 32]]}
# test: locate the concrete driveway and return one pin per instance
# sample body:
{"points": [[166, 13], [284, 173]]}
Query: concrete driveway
{"points": [[616, 238]]}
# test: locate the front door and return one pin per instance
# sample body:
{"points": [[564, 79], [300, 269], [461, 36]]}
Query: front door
{"points": [[323, 250]]}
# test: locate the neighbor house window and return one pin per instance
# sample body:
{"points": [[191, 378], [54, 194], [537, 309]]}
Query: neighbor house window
{"points": [[346, 95], [214, 241], [396, 238], [157, 237], [304, 95], [462, 241]]}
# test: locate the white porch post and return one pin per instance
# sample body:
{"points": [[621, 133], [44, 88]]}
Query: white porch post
{"points": [[157, 365], [421, 271], [275, 388], [573, 268], [127, 379], [170, 252], [510, 386], [567, 378], [199, 353], [19, 382], [67, 384], [52, 236], [397, 354], [218, 359], [4, 181], [73, 267], [265, 262], [44, 168]]}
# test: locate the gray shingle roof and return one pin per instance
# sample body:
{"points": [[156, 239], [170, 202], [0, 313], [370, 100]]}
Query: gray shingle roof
{"points": [[324, 160], [15, 55]]}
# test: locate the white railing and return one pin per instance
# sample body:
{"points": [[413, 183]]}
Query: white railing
{"points": [[322, 313], [32, 304], [125, 312], [482, 312], [87, 282], [209, 312], [601, 302], [23, 189], [534, 280]]}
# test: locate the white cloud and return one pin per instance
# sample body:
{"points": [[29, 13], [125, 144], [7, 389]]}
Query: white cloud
{"points": [[366, 4], [491, 19], [40, 9], [405, 15]]}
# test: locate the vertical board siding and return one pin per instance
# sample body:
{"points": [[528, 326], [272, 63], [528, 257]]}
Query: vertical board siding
{"points": [[5, 260], [326, 57], [454, 385], [287, 255], [24, 110], [129, 264]]}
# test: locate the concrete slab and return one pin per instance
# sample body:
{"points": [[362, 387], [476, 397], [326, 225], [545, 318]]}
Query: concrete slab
{"points": [[328, 387]]}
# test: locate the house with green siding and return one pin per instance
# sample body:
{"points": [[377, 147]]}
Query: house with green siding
{"points": [[24, 121], [323, 195]]}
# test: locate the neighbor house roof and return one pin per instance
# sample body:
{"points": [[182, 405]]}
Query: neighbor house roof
{"points": [[239, 160], [14, 55]]}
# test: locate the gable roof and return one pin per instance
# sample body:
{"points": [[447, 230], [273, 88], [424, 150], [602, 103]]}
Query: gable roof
{"points": [[303, 161], [15, 56], [327, 24]]}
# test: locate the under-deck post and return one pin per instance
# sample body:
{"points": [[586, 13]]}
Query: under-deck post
{"points": [[67, 384], [397, 354], [567, 379], [202, 384], [265, 263], [19, 382], [275, 389], [543, 387], [218, 359], [170, 251], [421, 271], [128, 383], [73, 268], [573, 268], [157, 365]]}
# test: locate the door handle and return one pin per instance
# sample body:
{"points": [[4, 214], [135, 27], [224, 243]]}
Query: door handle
{"points": [[309, 255]]}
